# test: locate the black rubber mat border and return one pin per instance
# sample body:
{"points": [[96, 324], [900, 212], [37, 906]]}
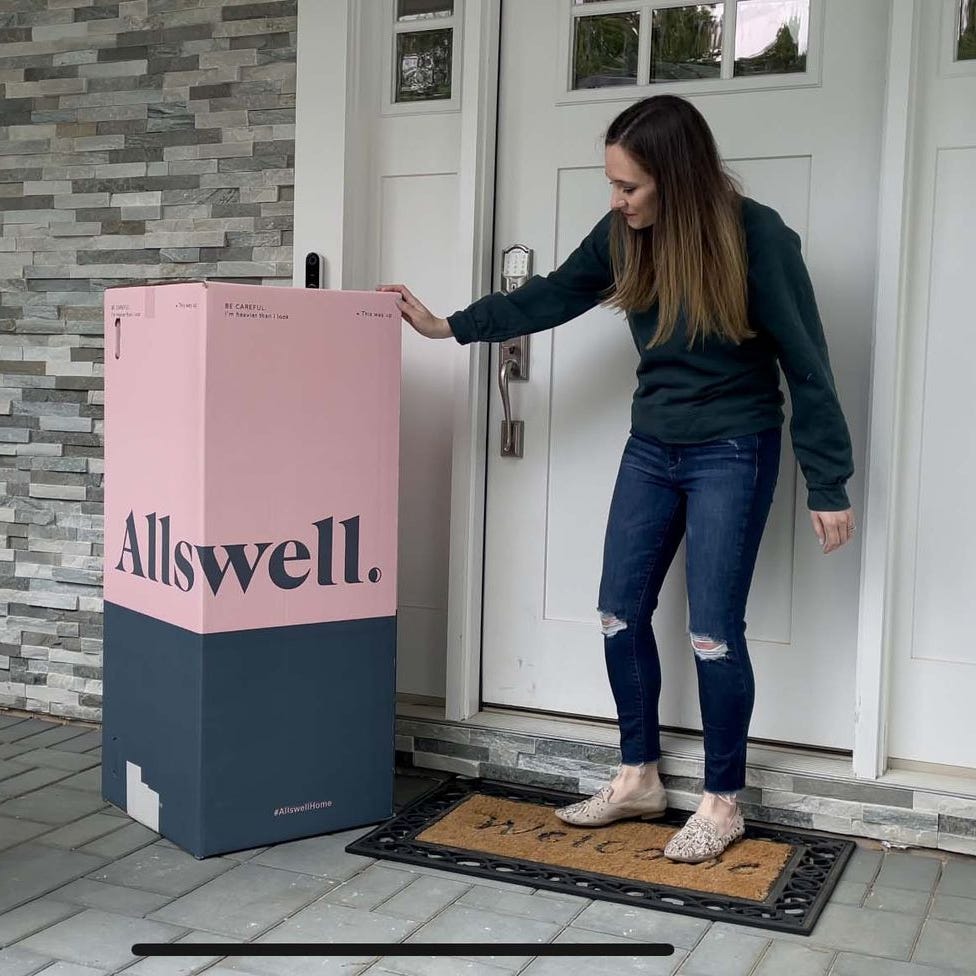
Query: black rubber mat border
{"points": [[793, 904]]}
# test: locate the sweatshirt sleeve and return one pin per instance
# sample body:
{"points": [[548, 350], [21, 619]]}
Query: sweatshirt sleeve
{"points": [[540, 303], [782, 303]]}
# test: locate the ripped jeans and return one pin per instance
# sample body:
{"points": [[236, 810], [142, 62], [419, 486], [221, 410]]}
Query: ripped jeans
{"points": [[718, 495]]}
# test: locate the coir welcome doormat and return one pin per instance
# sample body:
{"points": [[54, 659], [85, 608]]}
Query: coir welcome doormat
{"points": [[774, 877]]}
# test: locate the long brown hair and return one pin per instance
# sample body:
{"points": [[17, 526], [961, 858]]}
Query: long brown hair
{"points": [[695, 252]]}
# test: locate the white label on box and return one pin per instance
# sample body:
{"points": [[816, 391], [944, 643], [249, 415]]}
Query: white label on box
{"points": [[141, 802]]}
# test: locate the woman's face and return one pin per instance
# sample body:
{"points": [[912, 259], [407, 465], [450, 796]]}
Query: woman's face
{"points": [[632, 190]]}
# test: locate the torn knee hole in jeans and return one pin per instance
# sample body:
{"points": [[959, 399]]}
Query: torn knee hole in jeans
{"points": [[610, 623], [708, 649]]}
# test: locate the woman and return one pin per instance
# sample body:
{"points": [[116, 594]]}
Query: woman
{"points": [[715, 291]]}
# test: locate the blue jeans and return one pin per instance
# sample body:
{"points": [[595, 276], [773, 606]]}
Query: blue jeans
{"points": [[718, 494]]}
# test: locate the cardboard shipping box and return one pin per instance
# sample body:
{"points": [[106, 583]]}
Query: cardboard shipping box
{"points": [[251, 463]]}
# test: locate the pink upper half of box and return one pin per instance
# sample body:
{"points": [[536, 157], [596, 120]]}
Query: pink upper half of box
{"points": [[251, 454]]}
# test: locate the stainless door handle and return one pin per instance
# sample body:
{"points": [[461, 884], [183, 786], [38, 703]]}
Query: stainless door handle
{"points": [[512, 430]]}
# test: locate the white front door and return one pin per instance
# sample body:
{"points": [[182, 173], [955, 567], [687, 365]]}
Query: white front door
{"points": [[933, 658], [807, 145]]}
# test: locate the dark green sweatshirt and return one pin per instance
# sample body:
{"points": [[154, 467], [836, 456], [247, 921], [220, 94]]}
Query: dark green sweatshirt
{"points": [[714, 390]]}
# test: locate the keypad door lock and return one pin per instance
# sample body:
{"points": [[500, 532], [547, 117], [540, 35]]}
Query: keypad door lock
{"points": [[516, 267], [513, 354]]}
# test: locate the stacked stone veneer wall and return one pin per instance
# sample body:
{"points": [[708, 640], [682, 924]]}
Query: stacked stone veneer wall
{"points": [[815, 799], [140, 141]]}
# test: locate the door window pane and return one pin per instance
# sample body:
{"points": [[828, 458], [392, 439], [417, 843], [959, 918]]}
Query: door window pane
{"points": [[771, 36], [424, 9], [966, 49], [686, 42], [605, 50], [423, 65]]}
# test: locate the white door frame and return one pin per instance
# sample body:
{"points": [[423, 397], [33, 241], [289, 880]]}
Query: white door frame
{"points": [[476, 208], [328, 35], [873, 635]]}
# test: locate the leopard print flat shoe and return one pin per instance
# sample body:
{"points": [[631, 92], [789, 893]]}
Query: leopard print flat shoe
{"points": [[601, 808], [700, 839]]}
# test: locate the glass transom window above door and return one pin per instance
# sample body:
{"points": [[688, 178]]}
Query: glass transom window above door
{"points": [[423, 71], [965, 41], [695, 47]]}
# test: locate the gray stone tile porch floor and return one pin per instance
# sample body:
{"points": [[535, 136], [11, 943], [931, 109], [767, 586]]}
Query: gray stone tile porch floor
{"points": [[80, 882]]}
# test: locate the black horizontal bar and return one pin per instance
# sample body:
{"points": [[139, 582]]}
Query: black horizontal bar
{"points": [[402, 949]]}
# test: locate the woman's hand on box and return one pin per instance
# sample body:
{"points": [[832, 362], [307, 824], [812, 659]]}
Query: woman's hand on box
{"points": [[418, 315]]}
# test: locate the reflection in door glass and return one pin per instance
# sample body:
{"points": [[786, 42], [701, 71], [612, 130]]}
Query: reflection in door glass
{"points": [[966, 49], [424, 9], [686, 42], [771, 36], [605, 50], [423, 65]]}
